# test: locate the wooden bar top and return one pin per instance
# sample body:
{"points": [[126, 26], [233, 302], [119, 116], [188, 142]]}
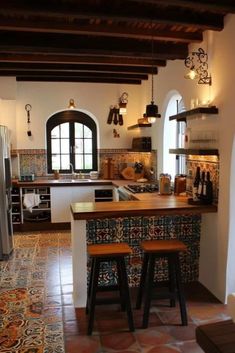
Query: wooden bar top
{"points": [[160, 205]]}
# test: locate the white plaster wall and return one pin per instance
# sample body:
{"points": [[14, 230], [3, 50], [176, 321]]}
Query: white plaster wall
{"points": [[48, 98]]}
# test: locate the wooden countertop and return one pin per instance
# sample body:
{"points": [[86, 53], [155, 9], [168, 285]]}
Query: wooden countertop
{"points": [[157, 205], [61, 182]]}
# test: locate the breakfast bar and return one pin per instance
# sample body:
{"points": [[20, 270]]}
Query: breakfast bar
{"points": [[162, 217]]}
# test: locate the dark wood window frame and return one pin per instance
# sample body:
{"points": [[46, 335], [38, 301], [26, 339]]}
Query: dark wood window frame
{"points": [[71, 116]]}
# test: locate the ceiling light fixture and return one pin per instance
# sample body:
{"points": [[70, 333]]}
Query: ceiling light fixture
{"points": [[197, 62], [152, 109], [123, 100], [71, 104]]}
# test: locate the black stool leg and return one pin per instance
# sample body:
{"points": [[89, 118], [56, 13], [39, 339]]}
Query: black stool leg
{"points": [[126, 292], [89, 286], [149, 288], [172, 280], [142, 281], [120, 285], [94, 287], [182, 303]]}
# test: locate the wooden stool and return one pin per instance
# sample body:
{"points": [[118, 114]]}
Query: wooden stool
{"points": [[155, 249], [102, 253]]}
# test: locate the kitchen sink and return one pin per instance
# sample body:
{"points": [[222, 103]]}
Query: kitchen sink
{"points": [[72, 180]]}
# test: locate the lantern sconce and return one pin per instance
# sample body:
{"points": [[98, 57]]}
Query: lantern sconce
{"points": [[28, 108], [71, 104], [197, 62]]}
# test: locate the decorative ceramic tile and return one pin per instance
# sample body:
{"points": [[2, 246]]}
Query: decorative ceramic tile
{"points": [[135, 229]]}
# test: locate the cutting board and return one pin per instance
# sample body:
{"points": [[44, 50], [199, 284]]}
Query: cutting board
{"points": [[128, 173]]}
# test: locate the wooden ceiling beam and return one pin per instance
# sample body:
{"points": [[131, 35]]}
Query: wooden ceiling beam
{"points": [[75, 59], [225, 6], [97, 75], [75, 79], [77, 68], [111, 30], [114, 11], [63, 44]]}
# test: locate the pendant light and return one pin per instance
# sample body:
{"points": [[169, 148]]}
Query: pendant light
{"points": [[152, 109]]}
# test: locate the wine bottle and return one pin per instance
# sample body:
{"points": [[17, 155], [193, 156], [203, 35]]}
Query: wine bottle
{"points": [[201, 186], [209, 189], [196, 184]]}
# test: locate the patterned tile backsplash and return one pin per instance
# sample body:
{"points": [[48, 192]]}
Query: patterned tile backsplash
{"points": [[35, 161], [135, 229]]}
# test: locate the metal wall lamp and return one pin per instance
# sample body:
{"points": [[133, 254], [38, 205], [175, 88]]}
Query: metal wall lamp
{"points": [[71, 104], [197, 62], [123, 100]]}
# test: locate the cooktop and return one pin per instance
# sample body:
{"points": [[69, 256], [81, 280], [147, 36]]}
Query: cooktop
{"points": [[142, 188]]}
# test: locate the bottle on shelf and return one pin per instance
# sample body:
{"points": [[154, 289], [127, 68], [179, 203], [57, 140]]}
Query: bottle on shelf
{"points": [[196, 184], [209, 189], [202, 186]]}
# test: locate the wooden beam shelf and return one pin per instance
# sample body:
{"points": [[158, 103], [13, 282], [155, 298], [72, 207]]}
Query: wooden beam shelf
{"points": [[136, 126], [196, 111], [195, 151]]}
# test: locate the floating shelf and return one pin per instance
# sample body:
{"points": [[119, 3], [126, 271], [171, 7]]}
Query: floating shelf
{"points": [[195, 151], [136, 126], [200, 110]]}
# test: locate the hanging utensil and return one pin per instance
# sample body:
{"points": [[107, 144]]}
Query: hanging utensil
{"points": [[120, 119], [110, 116], [115, 120]]}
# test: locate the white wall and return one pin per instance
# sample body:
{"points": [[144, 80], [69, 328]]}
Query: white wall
{"points": [[48, 98]]}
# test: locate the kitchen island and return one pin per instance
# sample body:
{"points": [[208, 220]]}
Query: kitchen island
{"points": [[156, 217]]}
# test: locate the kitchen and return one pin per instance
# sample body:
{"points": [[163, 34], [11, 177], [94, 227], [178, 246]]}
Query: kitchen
{"points": [[47, 98]]}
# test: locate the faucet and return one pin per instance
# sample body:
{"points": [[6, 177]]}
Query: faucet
{"points": [[72, 171]]}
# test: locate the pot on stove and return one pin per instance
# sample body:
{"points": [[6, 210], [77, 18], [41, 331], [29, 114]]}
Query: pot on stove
{"points": [[165, 184]]}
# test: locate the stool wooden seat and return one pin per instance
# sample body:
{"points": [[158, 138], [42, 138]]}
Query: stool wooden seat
{"points": [[155, 249], [102, 253]]}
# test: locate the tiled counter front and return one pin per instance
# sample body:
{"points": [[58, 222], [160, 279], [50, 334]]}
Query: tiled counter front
{"points": [[134, 230]]}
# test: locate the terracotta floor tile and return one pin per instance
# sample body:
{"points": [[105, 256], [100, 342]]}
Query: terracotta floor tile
{"points": [[82, 344], [153, 337], [69, 312], [190, 347], [67, 299], [119, 341]]}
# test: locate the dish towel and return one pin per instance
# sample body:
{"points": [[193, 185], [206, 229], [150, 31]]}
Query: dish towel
{"points": [[31, 200]]}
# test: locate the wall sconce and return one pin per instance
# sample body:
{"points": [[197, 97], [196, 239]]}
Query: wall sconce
{"points": [[28, 108], [123, 100], [71, 104], [198, 66]]}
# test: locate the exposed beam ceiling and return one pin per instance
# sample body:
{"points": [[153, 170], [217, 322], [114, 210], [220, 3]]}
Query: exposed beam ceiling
{"points": [[101, 40]]}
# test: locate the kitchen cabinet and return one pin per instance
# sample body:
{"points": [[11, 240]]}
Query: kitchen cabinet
{"points": [[16, 205], [40, 212], [63, 196]]}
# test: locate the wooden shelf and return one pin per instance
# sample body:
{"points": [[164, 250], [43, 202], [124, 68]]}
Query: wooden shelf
{"points": [[200, 110], [136, 126], [195, 151]]}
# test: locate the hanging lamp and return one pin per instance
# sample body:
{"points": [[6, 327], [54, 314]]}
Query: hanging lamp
{"points": [[152, 109]]}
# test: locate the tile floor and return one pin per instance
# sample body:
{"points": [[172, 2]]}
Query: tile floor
{"points": [[41, 263]]}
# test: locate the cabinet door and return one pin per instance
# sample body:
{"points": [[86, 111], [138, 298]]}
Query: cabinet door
{"points": [[83, 194], [60, 204]]}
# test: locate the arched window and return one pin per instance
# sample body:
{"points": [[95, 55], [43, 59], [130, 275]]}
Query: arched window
{"points": [[173, 132], [71, 139]]}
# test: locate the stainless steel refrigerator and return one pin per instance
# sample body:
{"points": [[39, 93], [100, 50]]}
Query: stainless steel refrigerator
{"points": [[6, 233]]}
